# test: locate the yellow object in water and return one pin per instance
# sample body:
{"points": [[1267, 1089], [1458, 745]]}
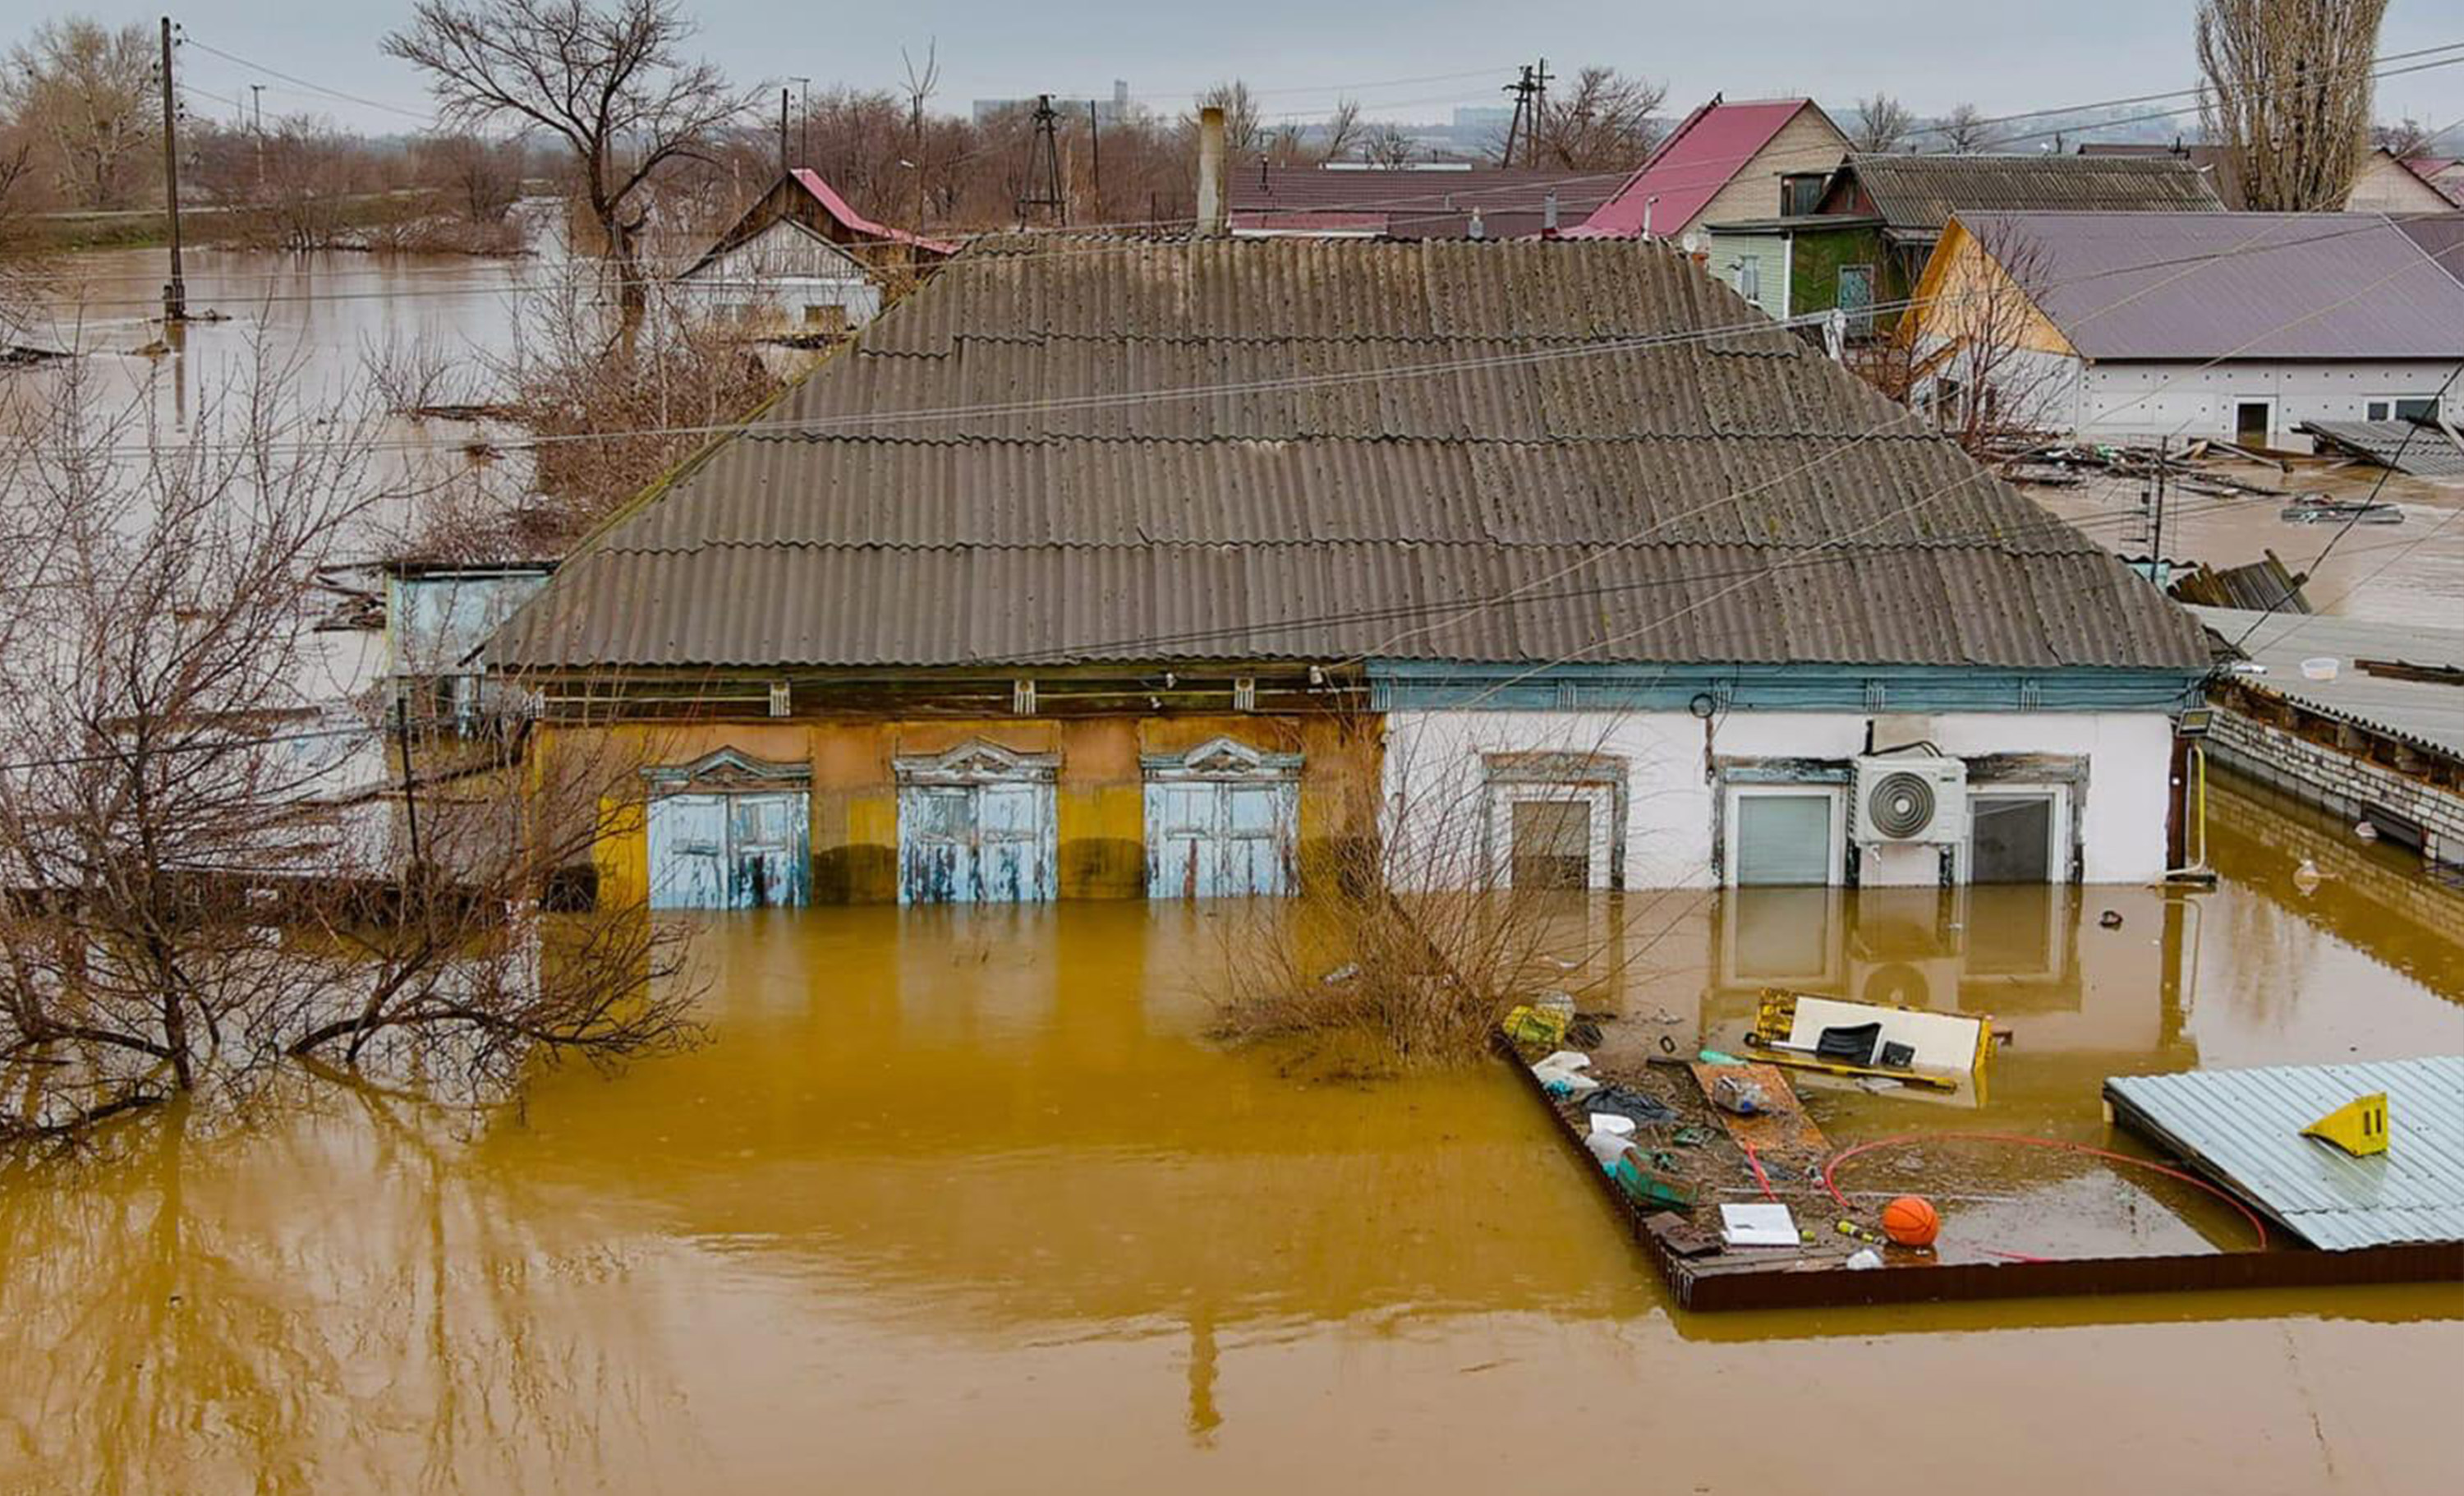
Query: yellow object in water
{"points": [[2359, 1127], [1531, 1025]]}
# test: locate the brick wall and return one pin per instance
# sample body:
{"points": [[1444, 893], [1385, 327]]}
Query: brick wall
{"points": [[2344, 782]]}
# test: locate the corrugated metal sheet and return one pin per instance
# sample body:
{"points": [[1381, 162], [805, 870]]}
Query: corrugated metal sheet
{"points": [[2419, 449], [1409, 204], [1703, 155], [1112, 449], [2244, 1129], [1917, 195], [2426, 714], [2242, 286]]}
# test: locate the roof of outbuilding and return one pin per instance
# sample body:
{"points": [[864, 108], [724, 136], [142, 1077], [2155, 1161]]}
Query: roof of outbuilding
{"points": [[1917, 195], [1406, 203], [2247, 286], [1080, 449]]}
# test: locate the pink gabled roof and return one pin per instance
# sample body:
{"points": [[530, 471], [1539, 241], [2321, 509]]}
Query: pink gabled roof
{"points": [[2440, 172], [837, 208], [1691, 167]]}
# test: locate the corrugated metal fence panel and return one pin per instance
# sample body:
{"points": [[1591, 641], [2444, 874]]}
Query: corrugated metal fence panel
{"points": [[2245, 1127]]}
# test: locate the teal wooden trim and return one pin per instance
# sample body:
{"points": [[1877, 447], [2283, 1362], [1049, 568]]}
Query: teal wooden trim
{"points": [[1703, 690]]}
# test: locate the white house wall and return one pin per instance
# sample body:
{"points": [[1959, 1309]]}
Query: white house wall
{"points": [[2185, 400], [782, 270], [1434, 777]]}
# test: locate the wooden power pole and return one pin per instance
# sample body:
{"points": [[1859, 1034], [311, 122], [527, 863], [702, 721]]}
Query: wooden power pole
{"points": [[175, 292]]}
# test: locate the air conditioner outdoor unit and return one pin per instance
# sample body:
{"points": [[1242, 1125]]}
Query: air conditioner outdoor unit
{"points": [[1907, 799]]}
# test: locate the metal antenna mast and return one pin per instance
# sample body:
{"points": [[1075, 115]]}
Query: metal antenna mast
{"points": [[1043, 163]]}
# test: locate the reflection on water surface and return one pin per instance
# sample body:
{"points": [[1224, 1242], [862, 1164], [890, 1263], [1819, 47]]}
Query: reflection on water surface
{"points": [[966, 1200]]}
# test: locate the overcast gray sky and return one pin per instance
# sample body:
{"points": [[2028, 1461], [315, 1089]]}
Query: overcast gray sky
{"points": [[2002, 55]]}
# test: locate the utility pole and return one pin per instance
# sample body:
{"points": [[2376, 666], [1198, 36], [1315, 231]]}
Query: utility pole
{"points": [[175, 294], [256, 102], [803, 120], [1096, 158], [1530, 93], [1043, 159], [782, 132], [409, 782]]}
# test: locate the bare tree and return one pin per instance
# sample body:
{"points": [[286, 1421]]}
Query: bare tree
{"points": [[1604, 122], [2288, 95], [1342, 132], [613, 84], [88, 93], [618, 412], [1973, 353], [1244, 127], [1387, 143], [1964, 131], [480, 178], [1883, 124], [202, 877]]}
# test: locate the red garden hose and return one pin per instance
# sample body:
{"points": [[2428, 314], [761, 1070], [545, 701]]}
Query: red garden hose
{"points": [[2257, 1228]]}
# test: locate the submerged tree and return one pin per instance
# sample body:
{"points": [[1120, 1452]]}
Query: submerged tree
{"points": [[2288, 92], [613, 84], [204, 867], [87, 93]]}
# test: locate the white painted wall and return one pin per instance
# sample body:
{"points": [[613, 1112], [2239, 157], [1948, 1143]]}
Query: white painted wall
{"points": [[776, 273], [1434, 778], [2150, 400]]}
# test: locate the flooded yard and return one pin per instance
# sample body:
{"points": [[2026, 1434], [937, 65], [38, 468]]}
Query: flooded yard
{"points": [[964, 1200]]}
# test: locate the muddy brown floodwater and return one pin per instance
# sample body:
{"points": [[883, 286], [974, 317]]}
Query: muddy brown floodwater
{"points": [[966, 1201]]}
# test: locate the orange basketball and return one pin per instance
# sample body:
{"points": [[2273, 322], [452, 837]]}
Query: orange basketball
{"points": [[1910, 1220]]}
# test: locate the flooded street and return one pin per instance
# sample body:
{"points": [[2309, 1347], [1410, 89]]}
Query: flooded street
{"points": [[966, 1199]]}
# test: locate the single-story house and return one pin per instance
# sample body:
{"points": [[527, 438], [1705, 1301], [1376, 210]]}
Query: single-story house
{"points": [[1527, 560], [2241, 327], [801, 260], [1752, 159], [2444, 173], [1915, 196], [2379, 185], [1812, 263], [1434, 200]]}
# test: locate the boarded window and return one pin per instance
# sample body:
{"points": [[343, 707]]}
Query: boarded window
{"points": [[1782, 838], [976, 826], [728, 850], [1552, 843], [2011, 838], [1221, 822]]}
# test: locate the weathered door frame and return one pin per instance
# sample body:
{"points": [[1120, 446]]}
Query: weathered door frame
{"points": [[1021, 869], [1596, 780], [721, 779], [1224, 764]]}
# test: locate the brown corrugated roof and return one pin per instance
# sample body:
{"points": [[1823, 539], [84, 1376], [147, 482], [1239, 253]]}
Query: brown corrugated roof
{"points": [[1407, 203], [1078, 449], [1917, 195]]}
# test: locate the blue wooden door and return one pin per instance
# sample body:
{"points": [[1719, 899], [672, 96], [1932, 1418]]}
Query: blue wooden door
{"points": [[989, 843], [728, 850], [1219, 839]]}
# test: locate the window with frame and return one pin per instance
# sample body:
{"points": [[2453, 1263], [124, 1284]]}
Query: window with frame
{"points": [[1784, 835], [1556, 821], [1223, 820], [2403, 407], [2017, 834], [1749, 277]]}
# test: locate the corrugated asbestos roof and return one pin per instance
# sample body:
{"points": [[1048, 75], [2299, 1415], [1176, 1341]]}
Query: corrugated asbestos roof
{"points": [[1919, 194], [2244, 1129], [2245, 286], [2415, 447], [1068, 450], [2426, 714]]}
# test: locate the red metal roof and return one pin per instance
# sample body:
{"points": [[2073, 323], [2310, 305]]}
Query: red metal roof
{"points": [[1691, 167], [837, 208]]}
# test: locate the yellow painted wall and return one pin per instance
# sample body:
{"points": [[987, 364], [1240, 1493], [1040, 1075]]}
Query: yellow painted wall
{"points": [[1963, 289], [1100, 794], [1807, 142]]}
